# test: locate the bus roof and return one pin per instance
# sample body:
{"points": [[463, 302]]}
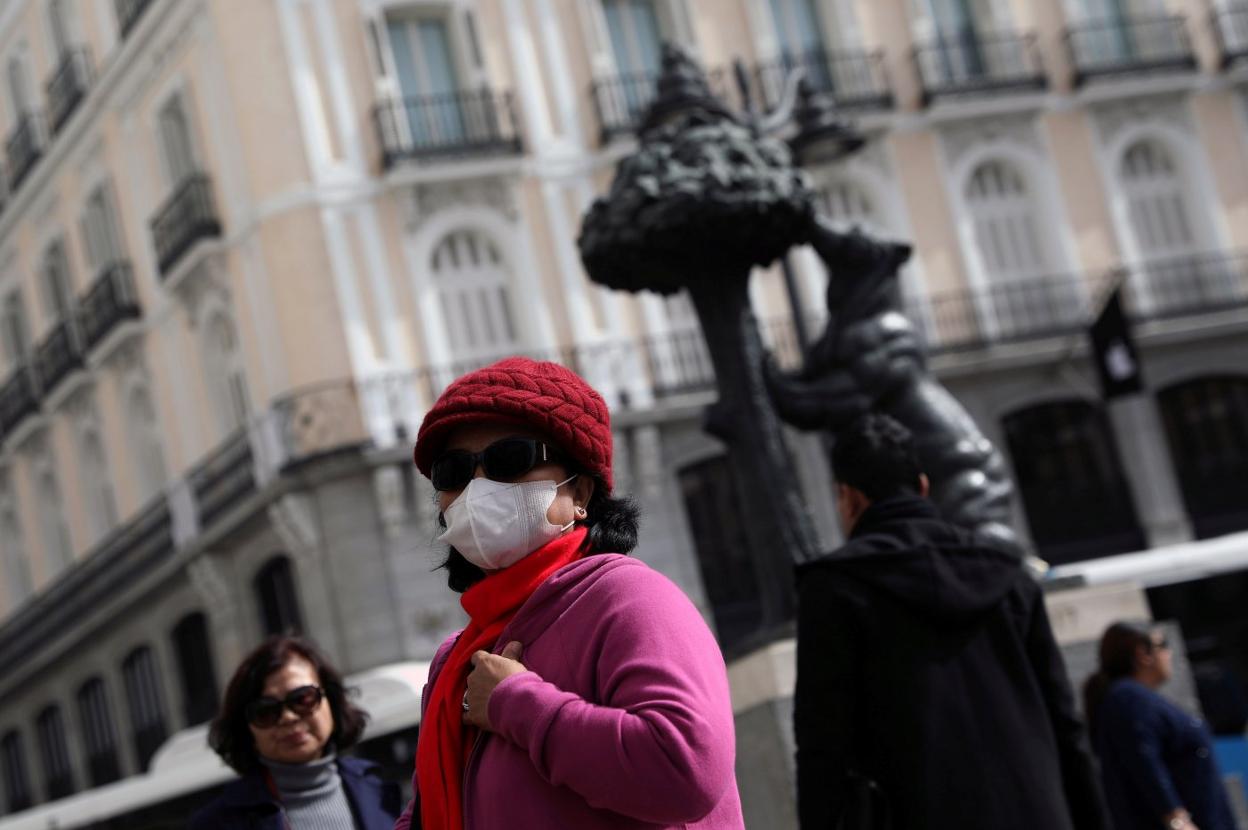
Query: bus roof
{"points": [[185, 764], [1167, 565]]}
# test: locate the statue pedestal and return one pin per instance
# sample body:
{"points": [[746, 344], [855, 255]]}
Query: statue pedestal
{"points": [[762, 702]]}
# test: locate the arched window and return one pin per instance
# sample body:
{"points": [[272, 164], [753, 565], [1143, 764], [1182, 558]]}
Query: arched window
{"points": [[99, 732], [277, 599], [97, 485], [227, 379], [146, 703], [848, 205], [17, 793], [56, 544], [143, 434], [195, 666], [474, 289], [1071, 482], [12, 543], [1006, 222], [1206, 422], [54, 750], [1157, 201]]}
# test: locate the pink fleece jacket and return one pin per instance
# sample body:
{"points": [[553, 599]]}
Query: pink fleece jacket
{"points": [[623, 720]]}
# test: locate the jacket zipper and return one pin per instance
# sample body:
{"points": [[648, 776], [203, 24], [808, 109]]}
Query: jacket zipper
{"points": [[472, 758]]}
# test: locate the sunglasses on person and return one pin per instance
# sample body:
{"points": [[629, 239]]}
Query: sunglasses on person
{"points": [[1160, 643], [505, 460], [265, 712]]}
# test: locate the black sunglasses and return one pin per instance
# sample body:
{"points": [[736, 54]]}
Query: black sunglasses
{"points": [[264, 712], [504, 460]]}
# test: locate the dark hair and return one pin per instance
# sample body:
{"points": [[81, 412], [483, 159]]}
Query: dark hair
{"points": [[1119, 645], [612, 524], [230, 734], [875, 455]]}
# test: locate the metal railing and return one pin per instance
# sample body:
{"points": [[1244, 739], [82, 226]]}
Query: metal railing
{"points": [[128, 13], [1231, 28], [958, 64], [60, 353], [109, 301], [1129, 46], [188, 216], [478, 123], [24, 148], [67, 87], [223, 479], [852, 79], [19, 398]]}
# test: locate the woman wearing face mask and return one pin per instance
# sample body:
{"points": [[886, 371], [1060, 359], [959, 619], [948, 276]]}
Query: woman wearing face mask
{"points": [[284, 718], [586, 691], [1156, 760]]}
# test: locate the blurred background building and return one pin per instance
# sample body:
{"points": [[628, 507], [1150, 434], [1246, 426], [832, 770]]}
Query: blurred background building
{"points": [[245, 243]]}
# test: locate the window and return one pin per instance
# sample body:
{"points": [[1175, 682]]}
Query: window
{"points": [[195, 666], [848, 205], [428, 78], [99, 230], [145, 444], [58, 25], [56, 542], [16, 331], [1206, 423], [99, 732], [1157, 201], [726, 558], [57, 772], [19, 88], [800, 35], [16, 565], [175, 141], [227, 383], [1071, 482], [17, 791], [636, 35], [146, 702], [97, 485], [275, 593], [58, 292], [473, 288]]}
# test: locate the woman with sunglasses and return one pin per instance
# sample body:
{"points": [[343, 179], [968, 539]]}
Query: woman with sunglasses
{"points": [[284, 720], [586, 691], [1157, 760]]}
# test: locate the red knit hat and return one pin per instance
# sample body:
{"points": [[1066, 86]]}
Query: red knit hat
{"points": [[546, 397]]}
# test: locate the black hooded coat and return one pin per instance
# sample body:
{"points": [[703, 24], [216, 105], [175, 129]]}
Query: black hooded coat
{"points": [[926, 663]]}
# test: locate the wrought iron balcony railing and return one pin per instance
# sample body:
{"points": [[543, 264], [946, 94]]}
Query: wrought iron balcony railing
{"points": [[1129, 46], [443, 126], [958, 64], [60, 353], [853, 79], [223, 479], [19, 398], [1231, 27], [108, 302], [24, 148], [67, 87], [188, 216], [128, 13]]}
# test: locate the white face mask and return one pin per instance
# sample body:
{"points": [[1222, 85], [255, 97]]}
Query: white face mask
{"points": [[495, 525]]}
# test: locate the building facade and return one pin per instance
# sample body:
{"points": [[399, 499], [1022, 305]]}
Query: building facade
{"points": [[243, 245]]}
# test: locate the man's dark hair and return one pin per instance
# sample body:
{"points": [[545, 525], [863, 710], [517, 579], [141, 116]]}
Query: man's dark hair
{"points": [[875, 455], [612, 524], [230, 735]]}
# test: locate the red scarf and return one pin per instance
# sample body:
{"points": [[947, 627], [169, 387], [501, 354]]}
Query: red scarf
{"points": [[444, 741]]}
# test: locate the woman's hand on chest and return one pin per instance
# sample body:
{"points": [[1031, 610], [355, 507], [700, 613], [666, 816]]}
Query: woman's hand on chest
{"points": [[488, 670]]}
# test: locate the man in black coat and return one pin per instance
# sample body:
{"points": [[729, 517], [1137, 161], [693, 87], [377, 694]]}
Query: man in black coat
{"points": [[926, 665]]}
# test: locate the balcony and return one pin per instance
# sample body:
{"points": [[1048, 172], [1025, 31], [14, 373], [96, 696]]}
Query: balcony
{"points": [[19, 398], [128, 14], [60, 353], [24, 148], [852, 79], [223, 479], [187, 217], [67, 87], [437, 127], [1231, 27], [108, 303], [978, 64], [1133, 46]]}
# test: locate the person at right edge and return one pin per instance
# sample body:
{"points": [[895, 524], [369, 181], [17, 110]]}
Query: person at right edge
{"points": [[1157, 761], [929, 686]]}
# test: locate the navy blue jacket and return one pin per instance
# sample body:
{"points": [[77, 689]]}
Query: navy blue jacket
{"points": [[1156, 758], [247, 803]]}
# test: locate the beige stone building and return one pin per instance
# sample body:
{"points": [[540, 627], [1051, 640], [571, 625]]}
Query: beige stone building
{"points": [[244, 243]]}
